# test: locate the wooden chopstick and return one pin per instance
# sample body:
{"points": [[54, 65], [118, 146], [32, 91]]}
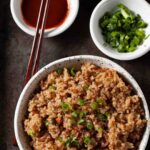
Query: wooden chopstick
{"points": [[35, 67], [37, 42]]}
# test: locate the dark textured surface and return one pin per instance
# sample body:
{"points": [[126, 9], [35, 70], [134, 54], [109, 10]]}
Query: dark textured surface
{"points": [[15, 47]]}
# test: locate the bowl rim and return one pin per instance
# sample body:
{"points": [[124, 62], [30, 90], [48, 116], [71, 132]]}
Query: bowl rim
{"points": [[132, 56], [48, 32], [146, 134]]}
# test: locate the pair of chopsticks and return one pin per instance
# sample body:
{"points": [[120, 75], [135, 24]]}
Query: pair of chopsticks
{"points": [[37, 42]]}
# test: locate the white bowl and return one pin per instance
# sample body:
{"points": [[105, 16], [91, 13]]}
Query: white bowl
{"points": [[15, 6], [139, 7], [21, 108]]}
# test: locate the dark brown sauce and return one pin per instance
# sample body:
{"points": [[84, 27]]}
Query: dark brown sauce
{"points": [[57, 14]]}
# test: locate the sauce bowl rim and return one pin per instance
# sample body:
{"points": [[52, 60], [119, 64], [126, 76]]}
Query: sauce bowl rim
{"points": [[73, 11]]}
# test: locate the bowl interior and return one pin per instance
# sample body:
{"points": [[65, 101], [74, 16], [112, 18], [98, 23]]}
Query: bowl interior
{"points": [[17, 15], [76, 61], [140, 7]]}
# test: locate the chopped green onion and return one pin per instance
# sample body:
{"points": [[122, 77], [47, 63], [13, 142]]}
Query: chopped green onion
{"points": [[124, 11], [100, 132], [123, 29], [107, 114], [47, 123], [82, 114], [60, 139], [65, 106], [147, 36], [59, 71], [81, 101], [102, 117], [90, 125], [31, 133], [73, 72], [72, 142], [74, 114], [52, 87], [81, 121], [68, 142], [100, 101], [94, 105], [76, 143], [87, 140]]}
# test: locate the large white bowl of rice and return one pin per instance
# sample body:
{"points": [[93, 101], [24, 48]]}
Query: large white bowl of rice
{"points": [[82, 103]]}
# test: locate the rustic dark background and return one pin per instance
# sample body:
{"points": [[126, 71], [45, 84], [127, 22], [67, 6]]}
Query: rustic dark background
{"points": [[15, 46]]}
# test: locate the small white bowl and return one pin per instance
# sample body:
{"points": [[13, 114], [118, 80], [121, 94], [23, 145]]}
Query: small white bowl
{"points": [[139, 7], [15, 6], [21, 109]]}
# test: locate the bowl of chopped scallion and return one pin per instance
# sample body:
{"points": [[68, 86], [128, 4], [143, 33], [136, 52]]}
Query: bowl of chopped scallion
{"points": [[121, 29]]}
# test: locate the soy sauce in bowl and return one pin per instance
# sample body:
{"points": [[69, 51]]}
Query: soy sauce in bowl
{"points": [[57, 14]]}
